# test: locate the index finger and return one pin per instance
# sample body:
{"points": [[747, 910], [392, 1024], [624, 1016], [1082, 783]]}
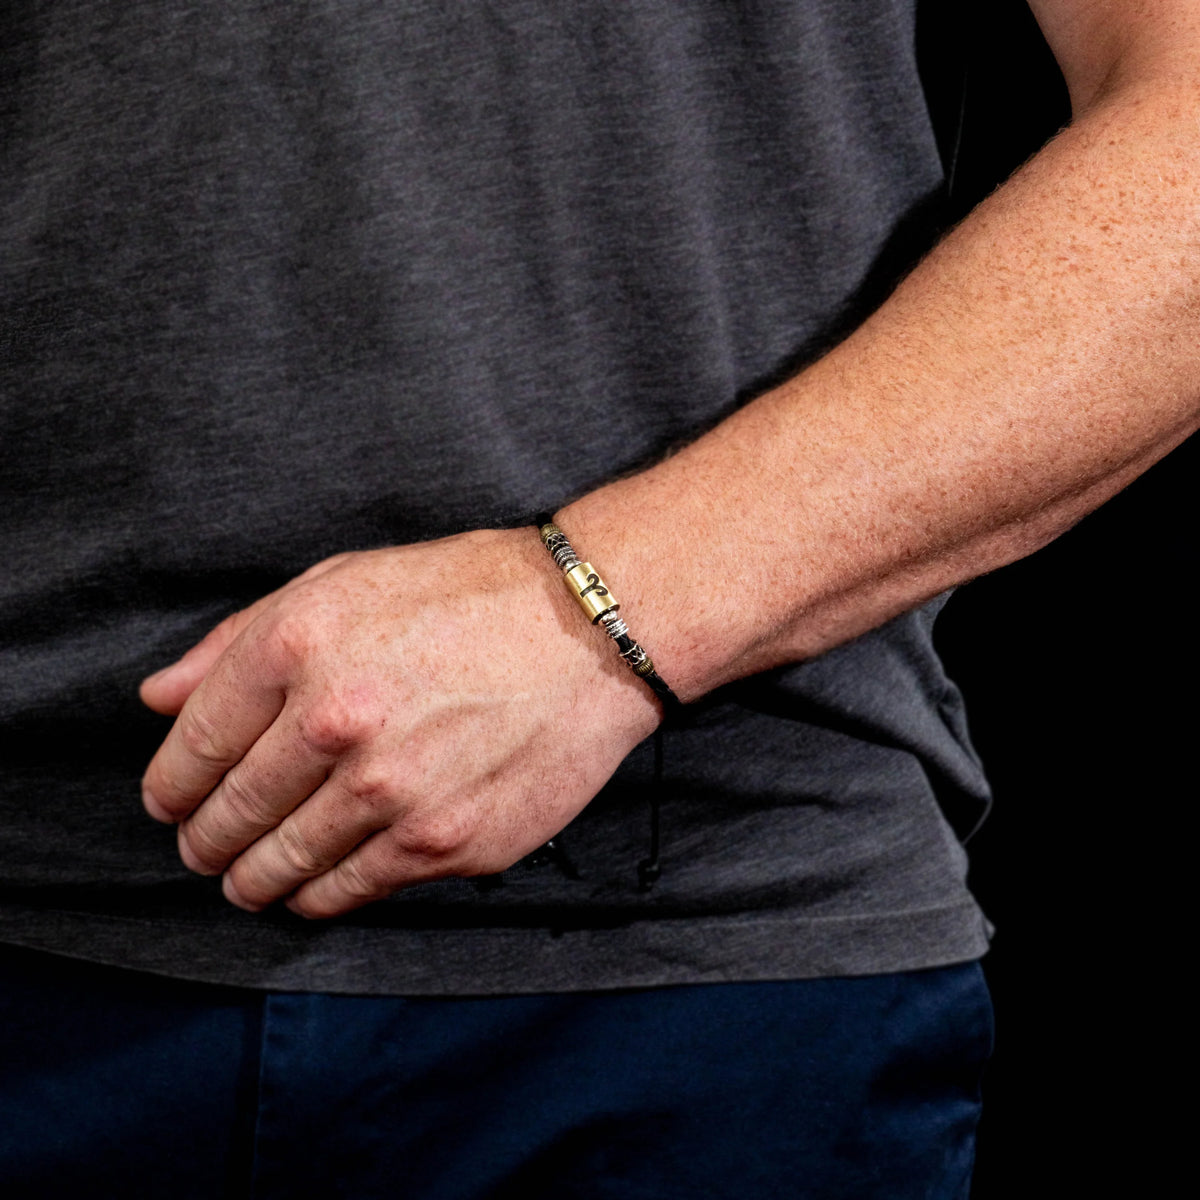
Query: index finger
{"points": [[226, 714]]}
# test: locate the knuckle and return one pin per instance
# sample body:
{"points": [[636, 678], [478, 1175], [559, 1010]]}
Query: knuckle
{"points": [[206, 845], [373, 785], [201, 737], [294, 635], [245, 805], [358, 883], [438, 836], [297, 853], [331, 727]]}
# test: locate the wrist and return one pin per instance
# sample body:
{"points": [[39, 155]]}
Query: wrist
{"points": [[578, 652], [666, 608], [600, 605]]}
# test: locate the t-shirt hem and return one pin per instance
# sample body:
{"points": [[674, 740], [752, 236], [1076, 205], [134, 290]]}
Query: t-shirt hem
{"points": [[352, 960]]}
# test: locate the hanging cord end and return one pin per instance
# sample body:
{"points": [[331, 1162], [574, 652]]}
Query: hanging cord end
{"points": [[650, 869], [583, 581]]}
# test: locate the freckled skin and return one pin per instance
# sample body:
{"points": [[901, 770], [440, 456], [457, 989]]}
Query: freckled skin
{"points": [[384, 719]]}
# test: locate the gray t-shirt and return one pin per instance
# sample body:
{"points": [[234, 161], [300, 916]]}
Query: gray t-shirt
{"points": [[282, 280]]}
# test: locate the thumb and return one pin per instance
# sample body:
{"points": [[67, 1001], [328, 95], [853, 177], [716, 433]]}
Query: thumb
{"points": [[167, 690]]}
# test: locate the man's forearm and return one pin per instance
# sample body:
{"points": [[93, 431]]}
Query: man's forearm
{"points": [[1040, 358]]}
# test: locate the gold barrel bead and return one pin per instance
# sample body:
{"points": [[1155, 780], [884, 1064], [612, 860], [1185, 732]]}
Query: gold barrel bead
{"points": [[589, 589]]}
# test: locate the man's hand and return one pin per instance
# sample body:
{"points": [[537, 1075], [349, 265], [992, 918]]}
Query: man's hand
{"points": [[390, 717]]}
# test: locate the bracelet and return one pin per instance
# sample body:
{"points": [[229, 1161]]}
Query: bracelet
{"points": [[601, 607]]}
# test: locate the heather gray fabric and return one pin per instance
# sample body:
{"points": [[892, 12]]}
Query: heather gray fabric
{"points": [[281, 280]]}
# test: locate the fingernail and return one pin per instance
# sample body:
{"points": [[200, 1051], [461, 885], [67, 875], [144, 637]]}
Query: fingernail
{"points": [[235, 897], [159, 674]]}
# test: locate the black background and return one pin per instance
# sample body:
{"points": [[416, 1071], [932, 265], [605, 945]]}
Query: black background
{"points": [[1077, 665]]}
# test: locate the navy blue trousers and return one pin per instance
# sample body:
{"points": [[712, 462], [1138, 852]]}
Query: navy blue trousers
{"points": [[119, 1084]]}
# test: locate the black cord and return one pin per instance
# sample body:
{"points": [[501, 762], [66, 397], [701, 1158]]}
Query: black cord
{"points": [[649, 869]]}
